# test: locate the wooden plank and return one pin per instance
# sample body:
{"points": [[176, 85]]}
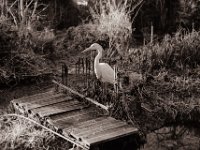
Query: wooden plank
{"points": [[73, 114], [109, 135], [43, 98], [46, 102], [92, 131], [57, 111], [33, 97], [89, 122], [71, 121], [58, 108], [94, 126]]}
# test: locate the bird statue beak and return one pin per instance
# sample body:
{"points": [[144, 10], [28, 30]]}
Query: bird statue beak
{"points": [[86, 50]]}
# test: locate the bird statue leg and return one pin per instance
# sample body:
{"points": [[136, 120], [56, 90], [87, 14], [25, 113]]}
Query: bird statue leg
{"points": [[104, 90]]}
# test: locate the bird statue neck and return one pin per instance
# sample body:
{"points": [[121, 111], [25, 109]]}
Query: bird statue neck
{"points": [[99, 55]]}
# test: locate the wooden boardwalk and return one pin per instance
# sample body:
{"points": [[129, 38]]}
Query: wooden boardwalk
{"points": [[76, 119]]}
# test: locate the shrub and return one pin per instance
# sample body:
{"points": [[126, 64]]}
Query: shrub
{"points": [[76, 39]]}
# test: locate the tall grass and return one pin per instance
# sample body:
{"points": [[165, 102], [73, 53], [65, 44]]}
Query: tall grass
{"points": [[178, 52], [20, 134], [113, 19]]}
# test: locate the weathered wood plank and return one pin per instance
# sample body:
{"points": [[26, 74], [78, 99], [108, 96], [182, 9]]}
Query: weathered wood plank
{"points": [[93, 131], [46, 102], [94, 126], [43, 98], [89, 122], [74, 114], [71, 121], [59, 108], [57, 111], [108, 135], [71, 113], [34, 97]]}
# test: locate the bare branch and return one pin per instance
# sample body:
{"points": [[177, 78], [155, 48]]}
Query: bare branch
{"points": [[136, 13], [14, 18], [35, 7], [43, 9], [21, 8], [13, 4], [29, 4]]}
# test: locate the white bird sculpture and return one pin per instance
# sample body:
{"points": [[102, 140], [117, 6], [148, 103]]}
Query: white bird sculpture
{"points": [[103, 71]]}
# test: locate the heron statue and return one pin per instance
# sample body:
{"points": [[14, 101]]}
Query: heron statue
{"points": [[103, 71]]}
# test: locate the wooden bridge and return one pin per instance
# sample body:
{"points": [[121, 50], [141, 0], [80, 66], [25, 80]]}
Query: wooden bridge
{"points": [[83, 121]]}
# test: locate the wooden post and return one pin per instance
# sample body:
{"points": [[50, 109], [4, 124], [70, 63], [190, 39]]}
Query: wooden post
{"points": [[89, 67], [151, 33], [56, 88], [193, 27], [86, 72], [64, 74], [116, 80], [82, 64], [76, 68], [79, 62], [144, 41], [92, 70]]}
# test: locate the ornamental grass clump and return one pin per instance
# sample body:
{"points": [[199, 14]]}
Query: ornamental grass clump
{"points": [[114, 20]]}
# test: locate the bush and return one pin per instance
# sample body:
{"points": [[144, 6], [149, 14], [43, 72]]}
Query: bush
{"points": [[75, 39]]}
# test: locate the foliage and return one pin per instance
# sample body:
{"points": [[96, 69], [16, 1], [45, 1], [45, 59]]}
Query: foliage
{"points": [[20, 134], [189, 13], [72, 41], [179, 52], [113, 19], [23, 58], [23, 14], [26, 49], [167, 93], [168, 15]]}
